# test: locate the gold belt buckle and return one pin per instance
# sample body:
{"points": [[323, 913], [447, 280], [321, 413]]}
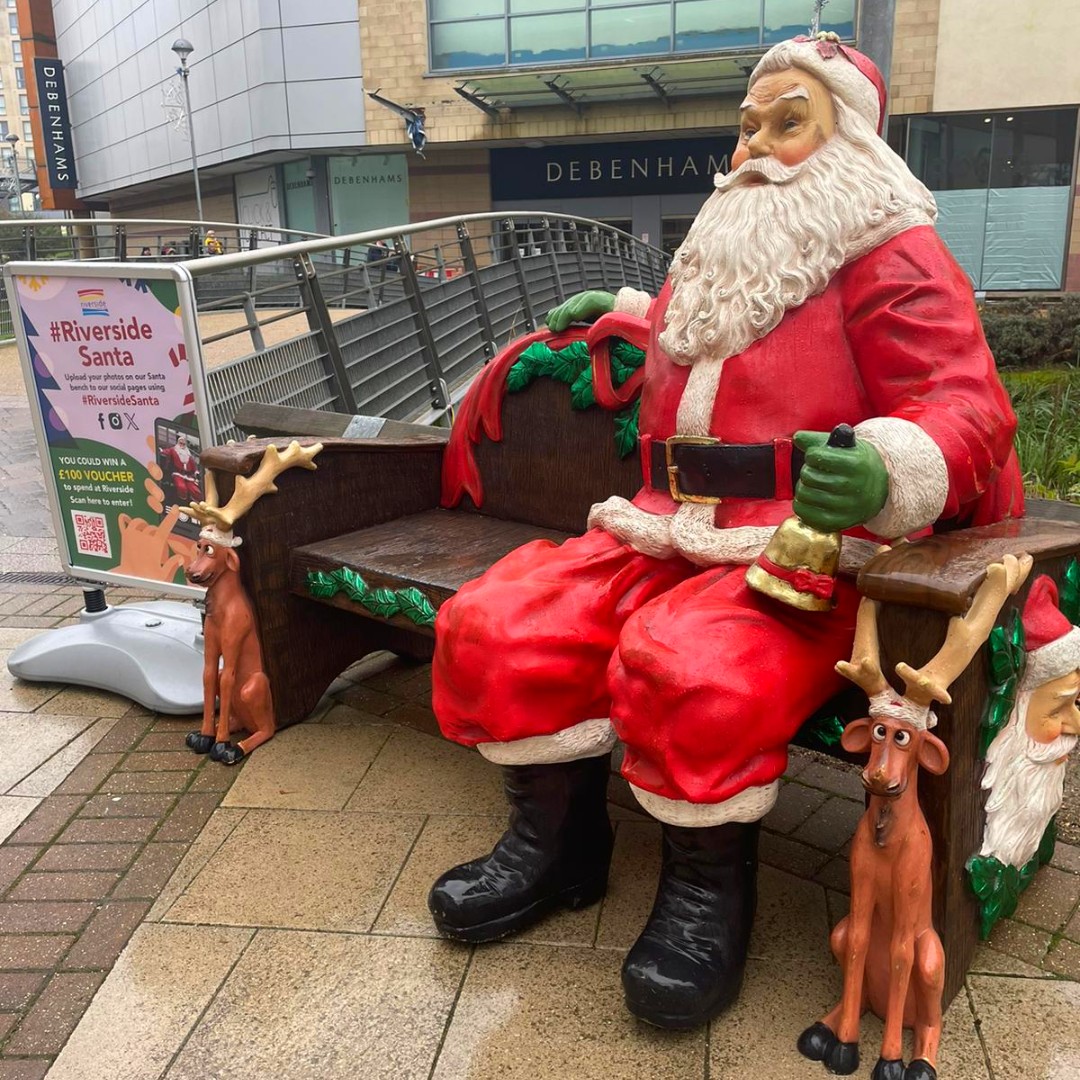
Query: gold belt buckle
{"points": [[673, 470]]}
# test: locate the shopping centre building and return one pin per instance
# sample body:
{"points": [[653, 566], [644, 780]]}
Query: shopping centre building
{"points": [[620, 110]]}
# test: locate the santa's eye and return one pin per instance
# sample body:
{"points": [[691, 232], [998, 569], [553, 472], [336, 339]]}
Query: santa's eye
{"points": [[878, 732], [903, 738], [790, 125]]}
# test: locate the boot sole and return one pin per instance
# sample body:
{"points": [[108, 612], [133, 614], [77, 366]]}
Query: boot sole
{"points": [[577, 896]]}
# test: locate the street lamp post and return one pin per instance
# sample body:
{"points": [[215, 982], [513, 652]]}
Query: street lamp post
{"points": [[13, 139], [183, 48]]}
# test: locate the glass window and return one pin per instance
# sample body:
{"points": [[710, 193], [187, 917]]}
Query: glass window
{"points": [[20, 78], [673, 232], [701, 25], [788, 18], [1033, 149], [4, 129], [24, 105], [465, 9], [519, 7], [13, 24], [539, 39], [3, 105], [632, 31], [468, 45], [16, 51], [28, 133]]}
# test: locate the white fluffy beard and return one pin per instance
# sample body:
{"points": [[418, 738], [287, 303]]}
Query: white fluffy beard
{"points": [[183, 453], [1026, 786], [758, 249]]}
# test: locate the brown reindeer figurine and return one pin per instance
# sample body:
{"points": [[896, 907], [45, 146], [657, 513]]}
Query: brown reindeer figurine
{"points": [[891, 956], [233, 674]]}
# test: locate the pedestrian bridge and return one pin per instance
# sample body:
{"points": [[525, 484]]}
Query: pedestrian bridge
{"points": [[392, 322]]}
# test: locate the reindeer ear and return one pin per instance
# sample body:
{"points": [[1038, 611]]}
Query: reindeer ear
{"points": [[856, 737], [232, 560], [933, 754]]}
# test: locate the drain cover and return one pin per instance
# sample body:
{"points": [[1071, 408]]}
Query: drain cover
{"points": [[28, 577]]}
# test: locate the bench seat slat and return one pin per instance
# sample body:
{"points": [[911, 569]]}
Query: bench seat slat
{"points": [[436, 551]]}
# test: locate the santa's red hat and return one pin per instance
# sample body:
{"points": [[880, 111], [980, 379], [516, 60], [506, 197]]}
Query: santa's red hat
{"points": [[1051, 641], [851, 76]]}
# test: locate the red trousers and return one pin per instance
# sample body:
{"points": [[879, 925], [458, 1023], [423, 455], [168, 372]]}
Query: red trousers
{"points": [[705, 680]]}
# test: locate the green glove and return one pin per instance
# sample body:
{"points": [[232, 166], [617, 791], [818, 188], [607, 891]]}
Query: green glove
{"points": [[579, 308], [839, 486]]}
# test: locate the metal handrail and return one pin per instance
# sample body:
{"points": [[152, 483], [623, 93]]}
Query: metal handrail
{"points": [[208, 264], [18, 224]]}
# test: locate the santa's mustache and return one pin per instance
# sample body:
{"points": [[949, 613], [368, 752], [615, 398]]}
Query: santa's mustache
{"points": [[756, 170]]}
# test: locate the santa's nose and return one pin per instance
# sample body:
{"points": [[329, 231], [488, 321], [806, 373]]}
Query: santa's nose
{"points": [[759, 147]]}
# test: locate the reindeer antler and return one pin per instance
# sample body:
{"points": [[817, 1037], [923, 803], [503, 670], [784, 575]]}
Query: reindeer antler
{"points": [[864, 669], [966, 634], [248, 490]]}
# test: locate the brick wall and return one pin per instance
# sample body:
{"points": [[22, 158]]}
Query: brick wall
{"points": [[911, 86]]}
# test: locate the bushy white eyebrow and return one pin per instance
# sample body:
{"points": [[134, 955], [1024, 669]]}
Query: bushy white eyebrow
{"points": [[795, 93]]}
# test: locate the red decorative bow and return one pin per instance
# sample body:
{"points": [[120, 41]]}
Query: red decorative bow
{"points": [[801, 579]]}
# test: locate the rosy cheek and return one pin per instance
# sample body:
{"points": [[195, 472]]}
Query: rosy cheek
{"points": [[1043, 728], [741, 154]]}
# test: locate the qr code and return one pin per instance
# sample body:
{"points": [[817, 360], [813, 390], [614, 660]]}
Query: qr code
{"points": [[91, 534]]}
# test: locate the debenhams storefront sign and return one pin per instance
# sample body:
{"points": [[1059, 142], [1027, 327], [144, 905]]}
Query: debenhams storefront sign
{"points": [[667, 167]]}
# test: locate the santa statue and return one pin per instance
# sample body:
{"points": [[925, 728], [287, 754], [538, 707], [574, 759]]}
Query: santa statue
{"points": [[1025, 765], [184, 470], [812, 290]]}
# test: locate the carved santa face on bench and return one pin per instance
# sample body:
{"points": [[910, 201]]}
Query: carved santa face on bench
{"points": [[1026, 762]]}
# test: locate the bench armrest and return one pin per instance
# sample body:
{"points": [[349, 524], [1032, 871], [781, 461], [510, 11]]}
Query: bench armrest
{"points": [[942, 572], [356, 483]]}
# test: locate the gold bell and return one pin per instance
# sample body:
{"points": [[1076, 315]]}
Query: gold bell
{"points": [[799, 565]]}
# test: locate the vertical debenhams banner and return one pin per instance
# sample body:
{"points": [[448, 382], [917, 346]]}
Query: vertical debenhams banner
{"points": [[55, 123], [114, 374]]}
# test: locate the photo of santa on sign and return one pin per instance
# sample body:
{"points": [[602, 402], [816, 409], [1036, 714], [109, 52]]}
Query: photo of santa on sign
{"points": [[183, 470]]}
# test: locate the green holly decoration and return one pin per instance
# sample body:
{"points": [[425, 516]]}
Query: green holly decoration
{"points": [[1070, 592], [573, 365], [386, 603], [828, 730], [998, 887], [1006, 669]]}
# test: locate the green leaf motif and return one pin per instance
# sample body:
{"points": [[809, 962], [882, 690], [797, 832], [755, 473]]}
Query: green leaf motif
{"points": [[416, 606], [998, 887], [626, 429], [1006, 668], [321, 585], [828, 730], [572, 365], [353, 585], [1070, 592], [383, 602]]}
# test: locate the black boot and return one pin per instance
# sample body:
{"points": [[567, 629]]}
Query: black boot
{"points": [[688, 963], [555, 854]]}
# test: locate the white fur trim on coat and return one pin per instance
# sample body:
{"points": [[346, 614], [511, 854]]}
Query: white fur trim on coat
{"points": [[590, 738], [692, 534], [918, 476], [1052, 661], [751, 804], [214, 535], [632, 301]]}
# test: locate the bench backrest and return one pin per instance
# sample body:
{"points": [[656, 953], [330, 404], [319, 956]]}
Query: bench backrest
{"points": [[554, 461]]}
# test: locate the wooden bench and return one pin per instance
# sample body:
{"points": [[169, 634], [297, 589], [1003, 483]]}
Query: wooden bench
{"points": [[357, 556]]}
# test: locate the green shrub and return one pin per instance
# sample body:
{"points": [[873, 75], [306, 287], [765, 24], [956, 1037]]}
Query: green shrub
{"points": [[1026, 334], [1047, 405]]}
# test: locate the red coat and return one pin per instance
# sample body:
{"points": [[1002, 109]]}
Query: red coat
{"points": [[895, 333]]}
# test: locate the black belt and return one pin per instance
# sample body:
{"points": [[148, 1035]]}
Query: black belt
{"points": [[697, 469]]}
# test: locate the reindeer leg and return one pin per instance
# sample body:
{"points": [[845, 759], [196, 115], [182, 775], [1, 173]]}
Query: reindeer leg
{"points": [[223, 750], [929, 976], [890, 1065], [843, 1057], [259, 706], [202, 740], [817, 1040]]}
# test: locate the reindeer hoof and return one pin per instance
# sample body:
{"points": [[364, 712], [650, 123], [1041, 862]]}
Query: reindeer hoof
{"points": [[198, 742], [815, 1041], [920, 1069], [226, 753], [842, 1058], [888, 1069]]}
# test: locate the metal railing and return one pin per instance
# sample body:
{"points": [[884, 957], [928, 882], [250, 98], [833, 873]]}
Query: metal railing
{"points": [[395, 322], [127, 240]]}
